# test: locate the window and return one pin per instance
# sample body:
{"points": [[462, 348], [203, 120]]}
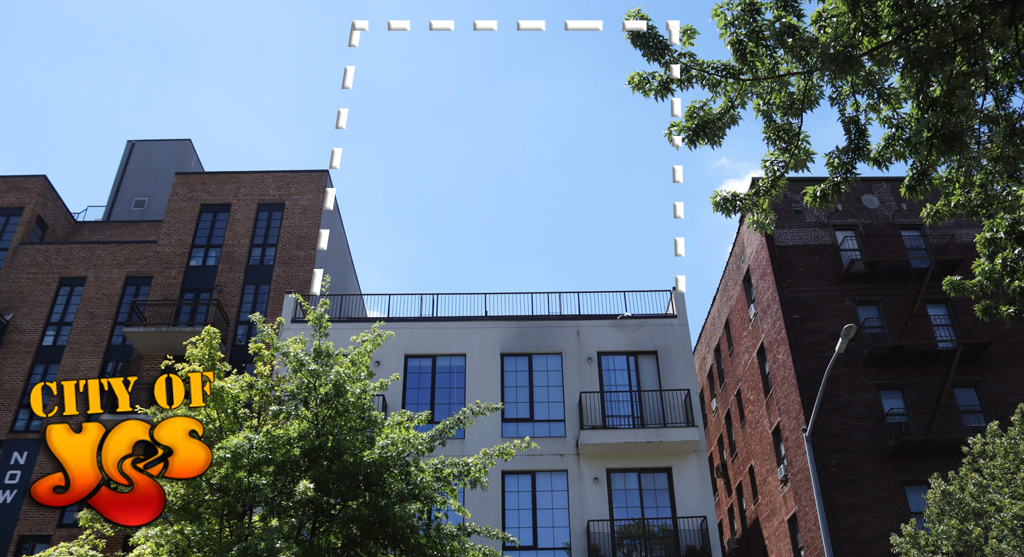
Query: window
{"points": [[849, 246], [448, 514], [917, 249], [766, 377], [206, 246], [739, 407], [38, 230], [641, 494], [714, 480], [970, 408], [721, 537], [794, 537], [725, 469], [732, 434], [721, 368], [115, 368], [703, 410], [728, 336], [9, 219], [895, 409], [732, 522], [26, 420], [30, 545], [254, 300], [135, 288], [536, 512], [711, 389], [872, 326], [532, 396], [436, 384], [916, 500], [748, 288], [69, 517], [942, 324], [741, 504], [776, 439], [139, 203], [753, 484], [194, 307], [62, 316], [264, 236]]}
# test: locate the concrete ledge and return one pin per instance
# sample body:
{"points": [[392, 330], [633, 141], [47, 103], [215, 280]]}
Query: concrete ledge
{"points": [[640, 440]]}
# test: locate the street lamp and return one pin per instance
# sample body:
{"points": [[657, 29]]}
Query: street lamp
{"points": [[844, 339]]}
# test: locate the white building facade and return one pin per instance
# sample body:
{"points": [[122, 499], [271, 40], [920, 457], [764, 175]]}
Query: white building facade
{"points": [[603, 382]]}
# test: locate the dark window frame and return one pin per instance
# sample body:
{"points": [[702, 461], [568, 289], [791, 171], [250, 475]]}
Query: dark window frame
{"points": [[766, 374], [268, 240], [754, 496], [794, 536], [27, 544], [47, 371], [780, 447], [259, 289], [433, 386], [8, 228], [533, 506], [671, 487], [721, 366], [741, 505], [530, 371], [728, 336], [39, 229], [75, 287], [739, 407], [730, 433], [205, 246], [140, 287]]}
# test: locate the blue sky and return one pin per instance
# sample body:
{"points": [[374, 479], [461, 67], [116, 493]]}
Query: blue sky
{"points": [[473, 161]]}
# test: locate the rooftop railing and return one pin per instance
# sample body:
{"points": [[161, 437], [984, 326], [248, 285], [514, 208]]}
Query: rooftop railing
{"points": [[636, 409], [503, 305], [662, 537], [90, 213]]}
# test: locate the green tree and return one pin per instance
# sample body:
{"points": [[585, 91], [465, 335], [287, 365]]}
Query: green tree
{"points": [[933, 84], [979, 510], [304, 464]]}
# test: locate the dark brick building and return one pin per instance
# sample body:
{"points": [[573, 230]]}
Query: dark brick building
{"points": [[921, 375], [176, 248]]}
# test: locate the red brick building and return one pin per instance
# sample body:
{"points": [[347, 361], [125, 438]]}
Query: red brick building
{"points": [[176, 248], [921, 375]]}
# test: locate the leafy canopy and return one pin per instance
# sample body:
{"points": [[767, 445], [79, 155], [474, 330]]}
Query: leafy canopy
{"points": [[979, 510], [303, 464], [934, 84]]}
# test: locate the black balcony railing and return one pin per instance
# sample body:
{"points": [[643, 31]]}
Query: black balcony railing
{"points": [[649, 537], [380, 402], [501, 305], [90, 213], [177, 312], [884, 337], [635, 409], [945, 425], [862, 254]]}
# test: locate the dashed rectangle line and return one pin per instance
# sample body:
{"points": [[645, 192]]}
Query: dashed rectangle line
{"points": [[677, 108], [634, 25], [342, 119], [353, 38], [442, 25], [673, 31], [584, 25], [485, 25], [335, 158], [360, 25], [398, 25], [530, 25], [677, 209], [350, 74], [680, 247], [677, 174], [673, 71], [329, 199]]}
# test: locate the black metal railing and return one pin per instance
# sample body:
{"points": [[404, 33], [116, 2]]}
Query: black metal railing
{"points": [[635, 409], [649, 537], [499, 305], [90, 213], [933, 331], [380, 402], [177, 312], [918, 250], [957, 422]]}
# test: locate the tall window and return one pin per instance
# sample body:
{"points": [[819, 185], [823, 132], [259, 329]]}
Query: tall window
{"points": [[714, 480], [897, 419], [725, 468], [38, 230], [9, 219], [114, 368], [703, 410], [794, 537], [135, 288], [532, 396], [264, 236], [26, 420], [32, 544], [731, 433], [871, 324], [711, 388], [728, 336], [436, 384], [254, 300], [741, 504], [739, 407], [206, 246], [195, 306], [915, 498], [748, 288], [536, 512], [753, 484], [62, 316], [970, 408], [780, 449], [942, 324], [721, 367], [917, 249], [766, 377], [849, 246]]}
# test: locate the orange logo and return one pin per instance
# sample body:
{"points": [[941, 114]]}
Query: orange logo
{"points": [[100, 469]]}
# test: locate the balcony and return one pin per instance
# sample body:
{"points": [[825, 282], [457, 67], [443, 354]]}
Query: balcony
{"points": [[932, 255], [944, 427], [923, 337], [497, 306], [90, 213], [649, 537], [161, 326], [613, 421]]}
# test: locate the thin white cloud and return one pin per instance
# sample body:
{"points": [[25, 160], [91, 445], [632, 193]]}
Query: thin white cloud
{"points": [[740, 185]]}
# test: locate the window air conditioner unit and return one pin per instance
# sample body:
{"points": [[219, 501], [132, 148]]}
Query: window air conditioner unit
{"points": [[752, 310], [783, 472], [714, 404], [719, 471], [732, 544]]}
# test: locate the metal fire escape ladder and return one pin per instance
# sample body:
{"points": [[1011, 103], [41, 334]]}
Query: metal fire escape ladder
{"points": [[945, 389]]}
